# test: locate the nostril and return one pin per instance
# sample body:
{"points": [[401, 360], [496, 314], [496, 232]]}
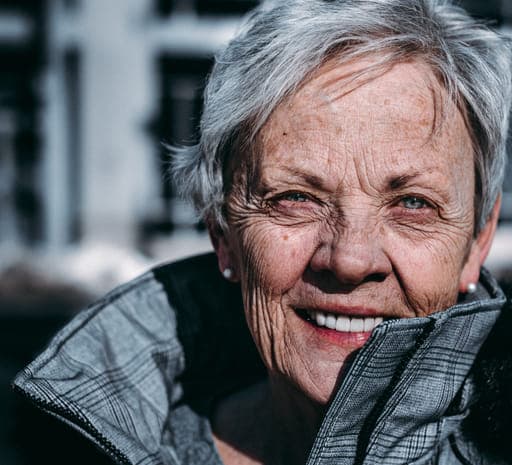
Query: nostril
{"points": [[375, 277], [346, 264], [327, 282]]}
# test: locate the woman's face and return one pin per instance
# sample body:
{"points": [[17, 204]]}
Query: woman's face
{"points": [[359, 207]]}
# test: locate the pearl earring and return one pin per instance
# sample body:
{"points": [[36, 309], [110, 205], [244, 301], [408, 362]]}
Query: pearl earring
{"points": [[471, 288], [227, 273]]}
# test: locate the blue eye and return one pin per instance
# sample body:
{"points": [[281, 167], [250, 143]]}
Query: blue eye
{"points": [[295, 197], [414, 203]]}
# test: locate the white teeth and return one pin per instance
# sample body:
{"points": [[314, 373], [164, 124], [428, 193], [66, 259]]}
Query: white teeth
{"points": [[369, 324], [345, 324], [356, 325], [320, 318], [330, 321]]}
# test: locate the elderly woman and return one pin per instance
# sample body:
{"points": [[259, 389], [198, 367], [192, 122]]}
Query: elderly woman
{"points": [[349, 170]]}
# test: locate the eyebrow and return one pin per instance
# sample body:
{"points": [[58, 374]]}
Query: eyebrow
{"points": [[395, 182], [392, 183], [308, 178]]}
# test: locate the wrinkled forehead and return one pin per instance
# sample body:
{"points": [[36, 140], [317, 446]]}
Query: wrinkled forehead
{"points": [[391, 106], [416, 104]]}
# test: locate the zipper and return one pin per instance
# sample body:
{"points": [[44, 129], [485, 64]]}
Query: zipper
{"points": [[83, 424]]}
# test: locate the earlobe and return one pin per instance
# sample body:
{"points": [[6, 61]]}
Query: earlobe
{"points": [[224, 253], [480, 249]]}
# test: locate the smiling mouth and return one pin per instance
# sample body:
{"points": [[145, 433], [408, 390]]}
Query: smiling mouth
{"points": [[340, 323]]}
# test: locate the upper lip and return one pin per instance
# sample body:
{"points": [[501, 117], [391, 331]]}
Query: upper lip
{"points": [[345, 310]]}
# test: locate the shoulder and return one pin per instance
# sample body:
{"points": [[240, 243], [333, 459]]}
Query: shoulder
{"points": [[142, 311], [114, 370]]}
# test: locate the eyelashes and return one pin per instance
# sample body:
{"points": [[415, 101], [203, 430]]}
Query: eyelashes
{"points": [[413, 202], [294, 196], [296, 206], [295, 200], [413, 207], [410, 202]]}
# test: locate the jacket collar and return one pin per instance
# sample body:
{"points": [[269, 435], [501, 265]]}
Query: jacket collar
{"points": [[136, 373], [408, 387]]}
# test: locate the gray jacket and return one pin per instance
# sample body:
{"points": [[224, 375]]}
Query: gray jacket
{"points": [[138, 372]]}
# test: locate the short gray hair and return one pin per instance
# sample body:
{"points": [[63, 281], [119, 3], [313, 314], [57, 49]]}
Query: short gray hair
{"points": [[284, 41]]}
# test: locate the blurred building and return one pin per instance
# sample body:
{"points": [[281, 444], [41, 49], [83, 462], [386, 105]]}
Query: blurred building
{"points": [[89, 92]]}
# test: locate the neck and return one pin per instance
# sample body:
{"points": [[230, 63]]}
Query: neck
{"points": [[295, 423], [271, 423]]}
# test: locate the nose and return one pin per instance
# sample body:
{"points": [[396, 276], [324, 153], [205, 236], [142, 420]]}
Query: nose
{"points": [[352, 254]]}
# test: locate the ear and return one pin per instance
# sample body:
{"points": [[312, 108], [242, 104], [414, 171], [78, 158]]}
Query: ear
{"points": [[223, 249], [480, 249]]}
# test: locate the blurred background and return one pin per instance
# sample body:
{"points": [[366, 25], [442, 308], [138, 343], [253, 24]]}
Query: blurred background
{"points": [[90, 90]]}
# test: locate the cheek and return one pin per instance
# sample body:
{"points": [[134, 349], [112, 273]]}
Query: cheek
{"points": [[430, 272], [274, 258], [272, 261]]}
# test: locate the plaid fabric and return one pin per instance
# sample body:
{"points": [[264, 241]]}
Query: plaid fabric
{"points": [[407, 390], [137, 372]]}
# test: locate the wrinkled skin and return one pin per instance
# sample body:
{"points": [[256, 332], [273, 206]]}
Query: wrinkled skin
{"points": [[362, 196]]}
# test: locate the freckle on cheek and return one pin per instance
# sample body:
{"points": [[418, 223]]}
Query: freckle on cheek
{"points": [[285, 237]]}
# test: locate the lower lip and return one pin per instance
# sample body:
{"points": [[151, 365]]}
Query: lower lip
{"points": [[344, 339], [339, 338]]}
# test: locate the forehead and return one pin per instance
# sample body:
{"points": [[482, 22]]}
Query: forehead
{"points": [[360, 86], [400, 110]]}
